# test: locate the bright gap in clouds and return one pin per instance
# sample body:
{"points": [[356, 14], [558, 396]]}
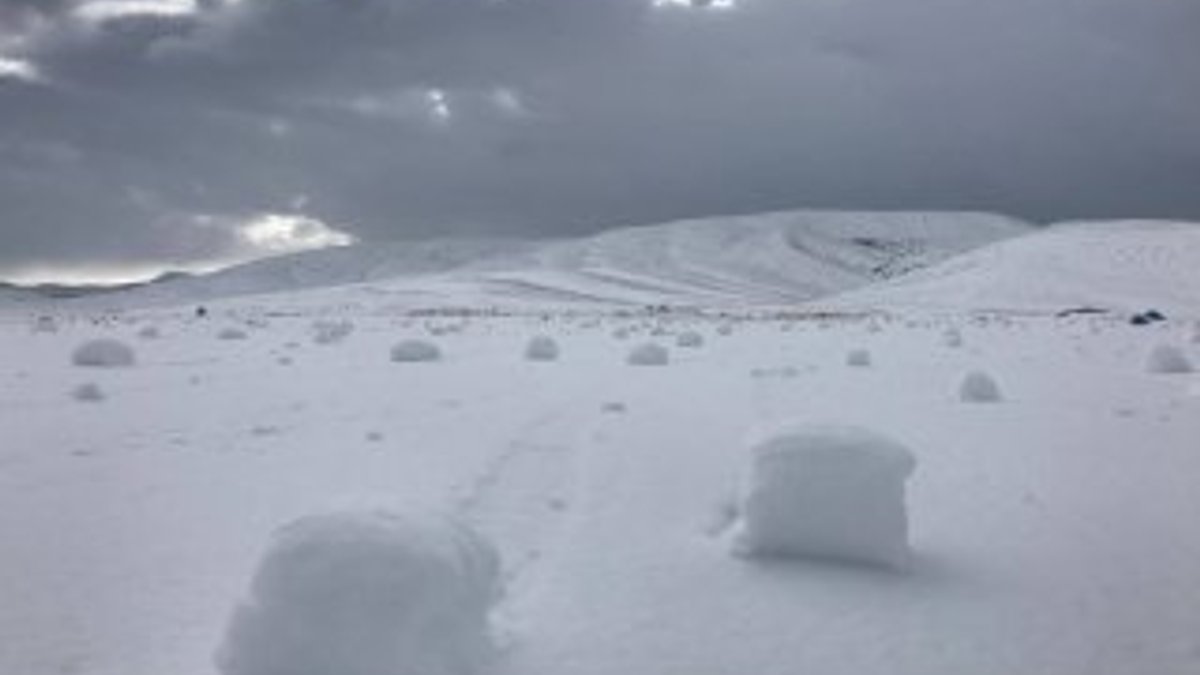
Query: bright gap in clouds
{"points": [[277, 233], [102, 10], [18, 69], [698, 4], [259, 236]]}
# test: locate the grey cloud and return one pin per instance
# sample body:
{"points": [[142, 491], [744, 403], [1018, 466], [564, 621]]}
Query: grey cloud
{"points": [[613, 113]]}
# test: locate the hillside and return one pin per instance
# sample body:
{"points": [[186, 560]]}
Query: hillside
{"points": [[1120, 266], [761, 259]]}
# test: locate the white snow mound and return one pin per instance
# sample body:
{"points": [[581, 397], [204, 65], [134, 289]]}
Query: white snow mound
{"points": [[1168, 360], [103, 353], [979, 387], [648, 354], [541, 348], [859, 358], [415, 350], [366, 593], [829, 492]]}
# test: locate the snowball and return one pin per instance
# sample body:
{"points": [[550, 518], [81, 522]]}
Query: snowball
{"points": [[1167, 360], [541, 348], [103, 353], [366, 593], [979, 387], [331, 332], [859, 358], [415, 350], [827, 492], [689, 339], [648, 354], [232, 334], [45, 324], [89, 392]]}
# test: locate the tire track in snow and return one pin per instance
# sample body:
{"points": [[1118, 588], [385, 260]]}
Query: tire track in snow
{"points": [[524, 495]]}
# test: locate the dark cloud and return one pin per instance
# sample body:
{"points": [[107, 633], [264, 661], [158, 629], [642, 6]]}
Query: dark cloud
{"points": [[418, 117]]}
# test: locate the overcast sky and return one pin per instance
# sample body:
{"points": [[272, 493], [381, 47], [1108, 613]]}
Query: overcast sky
{"points": [[137, 135]]}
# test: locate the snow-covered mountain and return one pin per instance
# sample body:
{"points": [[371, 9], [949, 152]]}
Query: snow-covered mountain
{"points": [[772, 258], [1118, 265]]}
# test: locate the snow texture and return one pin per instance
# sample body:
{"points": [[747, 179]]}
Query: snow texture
{"points": [[103, 353], [542, 348], [232, 334], [1168, 360], [366, 593], [689, 339], [828, 492], [648, 354], [327, 332], [415, 350], [979, 387]]}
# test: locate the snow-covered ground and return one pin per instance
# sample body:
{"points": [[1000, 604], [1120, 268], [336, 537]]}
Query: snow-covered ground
{"points": [[1052, 531]]}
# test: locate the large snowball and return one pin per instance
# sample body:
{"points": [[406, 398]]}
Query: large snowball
{"points": [[979, 387], [541, 348], [648, 354], [828, 492], [415, 350], [103, 353], [1167, 360], [366, 593]]}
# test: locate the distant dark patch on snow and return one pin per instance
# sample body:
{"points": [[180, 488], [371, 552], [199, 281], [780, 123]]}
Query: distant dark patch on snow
{"points": [[103, 353]]}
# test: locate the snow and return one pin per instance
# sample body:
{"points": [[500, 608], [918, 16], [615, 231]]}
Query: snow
{"points": [[415, 350], [1051, 534], [328, 332], [89, 392], [689, 339], [859, 358], [1168, 360], [1120, 266], [103, 353], [542, 348], [232, 334], [368, 593], [772, 258], [648, 354], [826, 492], [979, 387]]}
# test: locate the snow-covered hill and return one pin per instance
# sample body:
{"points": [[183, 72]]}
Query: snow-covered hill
{"points": [[772, 258], [1119, 265]]}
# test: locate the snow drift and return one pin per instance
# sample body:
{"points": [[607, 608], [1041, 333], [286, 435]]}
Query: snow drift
{"points": [[366, 593]]}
